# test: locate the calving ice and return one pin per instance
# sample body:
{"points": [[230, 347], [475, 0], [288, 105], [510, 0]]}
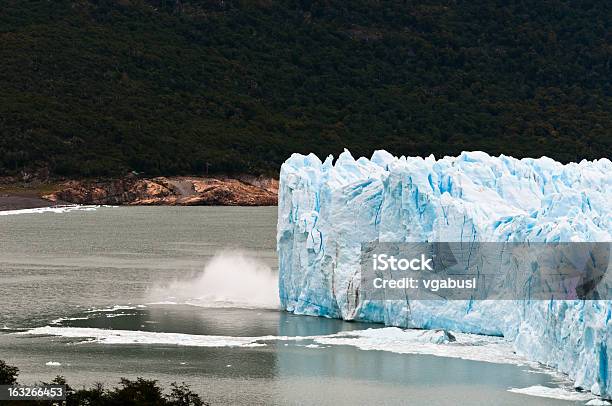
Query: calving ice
{"points": [[328, 211]]}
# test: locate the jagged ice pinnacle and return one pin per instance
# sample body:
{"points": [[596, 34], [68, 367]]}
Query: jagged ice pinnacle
{"points": [[327, 210]]}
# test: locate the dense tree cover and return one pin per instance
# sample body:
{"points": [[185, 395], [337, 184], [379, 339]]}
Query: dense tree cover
{"points": [[141, 392], [100, 87], [8, 374]]}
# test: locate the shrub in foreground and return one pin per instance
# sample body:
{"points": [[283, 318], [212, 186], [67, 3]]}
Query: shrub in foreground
{"points": [[139, 392]]}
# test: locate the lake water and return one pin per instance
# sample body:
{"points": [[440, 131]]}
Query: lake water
{"points": [[142, 280]]}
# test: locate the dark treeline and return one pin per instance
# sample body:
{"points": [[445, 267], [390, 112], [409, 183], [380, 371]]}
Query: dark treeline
{"points": [[141, 392], [100, 87]]}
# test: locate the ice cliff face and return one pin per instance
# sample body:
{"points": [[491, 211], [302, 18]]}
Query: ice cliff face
{"points": [[327, 210]]}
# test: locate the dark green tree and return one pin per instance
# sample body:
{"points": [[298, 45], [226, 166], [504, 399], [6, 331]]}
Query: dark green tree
{"points": [[8, 374]]}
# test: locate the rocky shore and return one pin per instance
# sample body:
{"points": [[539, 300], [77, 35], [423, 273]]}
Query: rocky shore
{"points": [[133, 190], [22, 201]]}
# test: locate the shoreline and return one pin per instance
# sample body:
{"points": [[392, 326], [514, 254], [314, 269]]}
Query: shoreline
{"points": [[242, 190], [21, 201]]}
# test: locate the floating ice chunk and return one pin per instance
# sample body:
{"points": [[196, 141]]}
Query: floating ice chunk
{"points": [[52, 209], [392, 339], [598, 402], [63, 319], [430, 342], [553, 393], [145, 337], [110, 309]]}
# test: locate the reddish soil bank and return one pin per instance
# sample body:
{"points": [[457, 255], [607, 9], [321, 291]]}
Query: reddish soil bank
{"points": [[180, 191]]}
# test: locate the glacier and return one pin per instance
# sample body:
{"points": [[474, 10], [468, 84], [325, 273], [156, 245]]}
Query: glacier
{"points": [[327, 210]]}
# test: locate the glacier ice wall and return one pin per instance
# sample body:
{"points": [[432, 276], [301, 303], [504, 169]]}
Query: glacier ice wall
{"points": [[327, 210]]}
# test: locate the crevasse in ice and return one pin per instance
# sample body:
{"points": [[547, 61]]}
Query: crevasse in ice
{"points": [[326, 210]]}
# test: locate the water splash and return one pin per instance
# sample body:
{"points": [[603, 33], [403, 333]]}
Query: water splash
{"points": [[230, 279]]}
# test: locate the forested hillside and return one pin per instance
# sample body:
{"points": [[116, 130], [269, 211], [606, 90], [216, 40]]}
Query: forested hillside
{"points": [[94, 88]]}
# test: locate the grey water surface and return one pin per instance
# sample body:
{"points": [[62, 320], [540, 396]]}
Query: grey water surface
{"points": [[110, 268]]}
